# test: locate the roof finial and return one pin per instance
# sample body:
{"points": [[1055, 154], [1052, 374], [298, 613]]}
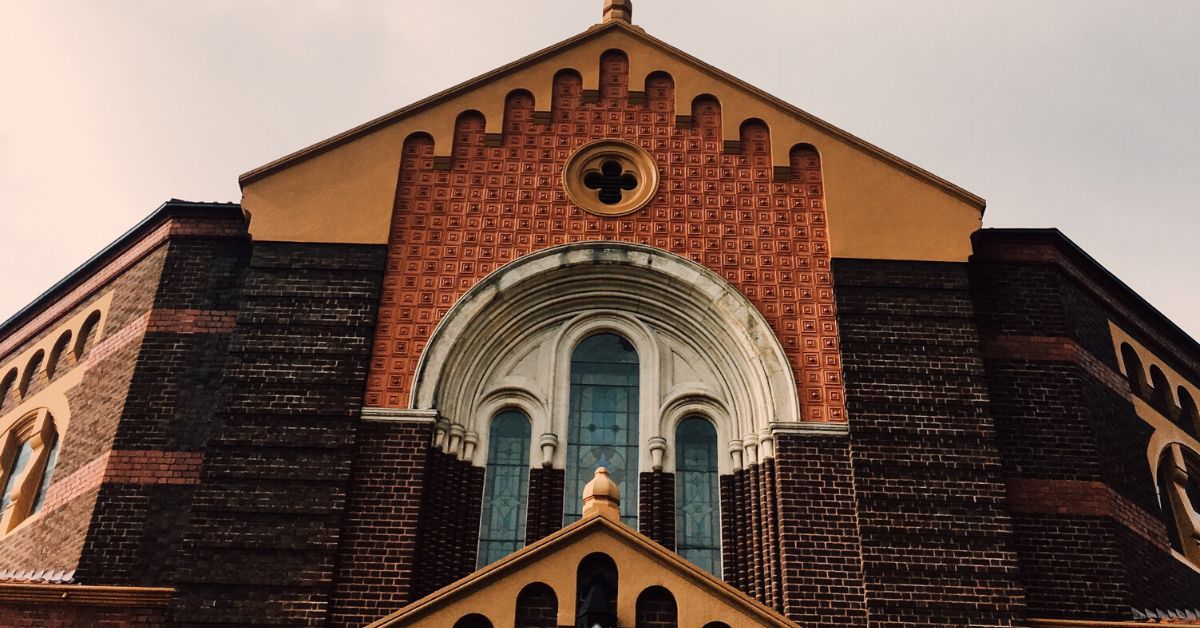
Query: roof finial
{"points": [[618, 10], [602, 497]]}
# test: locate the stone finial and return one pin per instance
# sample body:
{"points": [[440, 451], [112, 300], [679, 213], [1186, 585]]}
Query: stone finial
{"points": [[619, 10], [602, 497]]}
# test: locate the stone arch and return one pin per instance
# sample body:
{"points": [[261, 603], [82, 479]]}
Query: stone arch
{"points": [[700, 342]]}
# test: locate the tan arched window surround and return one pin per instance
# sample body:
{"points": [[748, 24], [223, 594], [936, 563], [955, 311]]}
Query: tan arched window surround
{"points": [[38, 430], [1182, 484]]}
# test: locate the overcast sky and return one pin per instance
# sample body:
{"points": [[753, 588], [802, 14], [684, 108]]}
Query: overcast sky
{"points": [[1082, 115]]}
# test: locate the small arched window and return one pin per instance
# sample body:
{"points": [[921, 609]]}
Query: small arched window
{"points": [[7, 385], [32, 372], [1160, 394], [474, 620], [87, 335], [656, 608], [537, 607], [1133, 370], [1189, 414], [602, 426], [506, 487], [596, 585], [697, 495], [57, 354]]}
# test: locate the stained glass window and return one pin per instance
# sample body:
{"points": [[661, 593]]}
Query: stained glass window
{"points": [[506, 488], [602, 428], [697, 505], [47, 476], [24, 454]]}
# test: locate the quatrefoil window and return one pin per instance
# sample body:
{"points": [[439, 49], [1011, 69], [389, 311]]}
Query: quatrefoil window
{"points": [[609, 182], [610, 177]]}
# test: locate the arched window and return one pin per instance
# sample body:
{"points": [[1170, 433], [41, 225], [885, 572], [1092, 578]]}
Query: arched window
{"points": [[1160, 395], [28, 455], [697, 496], [43, 487], [7, 385], [474, 620], [656, 609], [597, 584], [1133, 370], [1166, 500], [602, 427], [1189, 414], [506, 488], [537, 607], [32, 371], [58, 353], [1179, 496]]}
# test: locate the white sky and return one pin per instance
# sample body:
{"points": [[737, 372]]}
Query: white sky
{"points": [[1077, 114]]}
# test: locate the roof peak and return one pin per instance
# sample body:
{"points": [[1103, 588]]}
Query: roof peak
{"points": [[618, 11]]}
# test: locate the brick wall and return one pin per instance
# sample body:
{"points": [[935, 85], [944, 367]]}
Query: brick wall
{"points": [[719, 204], [448, 529], [86, 520], [820, 572], [168, 412], [656, 507], [260, 542], [63, 616], [546, 501], [378, 544], [1092, 540], [937, 540]]}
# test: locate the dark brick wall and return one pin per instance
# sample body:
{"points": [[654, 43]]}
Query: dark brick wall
{"points": [[546, 495], [63, 616], [375, 569], [750, 532], [261, 541], [1064, 420], [820, 571], [448, 530], [656, 507], [170, 406], [937, 540]]}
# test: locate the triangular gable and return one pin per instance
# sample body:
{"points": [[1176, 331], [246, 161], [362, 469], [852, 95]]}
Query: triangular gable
{"points": [[553, 561], [342, 189]]}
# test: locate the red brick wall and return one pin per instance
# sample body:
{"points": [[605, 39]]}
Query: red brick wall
{"points": [[720, 205]]}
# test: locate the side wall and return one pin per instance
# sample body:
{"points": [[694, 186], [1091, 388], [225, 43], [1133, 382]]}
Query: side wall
{"points": [[937, 542], [1091, 538], [261, 541]]}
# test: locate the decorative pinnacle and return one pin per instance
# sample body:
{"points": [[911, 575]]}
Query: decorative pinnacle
{"points": [[602, 497], [618, 10]]}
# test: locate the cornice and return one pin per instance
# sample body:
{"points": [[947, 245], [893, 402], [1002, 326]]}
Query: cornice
{"points": [[84, 595]]}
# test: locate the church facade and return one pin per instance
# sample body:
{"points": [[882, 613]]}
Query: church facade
{"points": [[825, 395]]}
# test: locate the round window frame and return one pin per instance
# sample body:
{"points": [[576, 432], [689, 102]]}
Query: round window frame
{"points": [[590, 157]]}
